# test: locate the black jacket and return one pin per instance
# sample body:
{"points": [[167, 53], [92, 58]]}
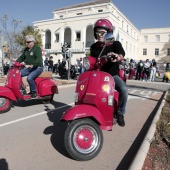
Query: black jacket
{"points": [[50, 62], [109, 67]]}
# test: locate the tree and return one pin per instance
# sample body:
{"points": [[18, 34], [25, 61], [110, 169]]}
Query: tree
{"points": [[164, 52], [29, 30], [13, 48], [15, 36]]}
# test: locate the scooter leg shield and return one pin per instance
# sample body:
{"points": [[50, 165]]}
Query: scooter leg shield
{"points": [[82, 111], [6, 92]]}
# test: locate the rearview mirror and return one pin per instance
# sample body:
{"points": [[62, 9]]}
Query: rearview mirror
{"points": [[109, 38]]}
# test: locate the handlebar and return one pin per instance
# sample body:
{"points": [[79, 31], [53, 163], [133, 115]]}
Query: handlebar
{"points": [[15, 64]]}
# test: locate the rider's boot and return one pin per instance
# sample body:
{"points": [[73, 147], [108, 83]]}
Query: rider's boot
{"points": [[120, 120]]}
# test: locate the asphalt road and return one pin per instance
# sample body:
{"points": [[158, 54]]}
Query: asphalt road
{"points": [[32, 134]]}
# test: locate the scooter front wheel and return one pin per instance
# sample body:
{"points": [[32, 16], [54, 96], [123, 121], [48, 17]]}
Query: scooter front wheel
{"points": [[5, 104], [83, 139]]}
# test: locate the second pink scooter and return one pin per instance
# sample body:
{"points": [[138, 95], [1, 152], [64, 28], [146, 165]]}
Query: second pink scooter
{"points": [[13, 90]]}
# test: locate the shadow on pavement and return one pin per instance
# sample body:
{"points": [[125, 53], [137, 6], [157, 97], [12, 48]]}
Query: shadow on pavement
{"points": [[3, 164], [130, 155], [57, 130], [24, 103]]}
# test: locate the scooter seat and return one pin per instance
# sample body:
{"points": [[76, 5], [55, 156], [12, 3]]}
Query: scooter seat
{"points": [[46, 74]]}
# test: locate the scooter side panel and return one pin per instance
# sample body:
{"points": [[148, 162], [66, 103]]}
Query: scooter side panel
{"points": [[46, 86], [101, 85], [6, 92], [82, 84], [82, 111]]}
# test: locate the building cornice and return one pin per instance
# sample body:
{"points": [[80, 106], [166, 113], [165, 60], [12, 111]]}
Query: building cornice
{"points": [[95, 2], [152, 30]]}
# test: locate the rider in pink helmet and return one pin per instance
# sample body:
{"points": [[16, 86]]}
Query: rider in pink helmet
{"points": [[115, 54], [105, 24]]}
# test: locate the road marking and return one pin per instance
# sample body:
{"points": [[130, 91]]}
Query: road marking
{"points": [[134, 91], [134, 97], [145, 95], [142, 94], [28, 117]]}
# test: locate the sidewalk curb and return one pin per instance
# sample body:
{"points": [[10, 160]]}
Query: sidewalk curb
{"points": [[66, 86], [139, 159]]}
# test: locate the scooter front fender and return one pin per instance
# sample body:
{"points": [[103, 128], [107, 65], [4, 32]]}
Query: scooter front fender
{"points": [[82, 111], [7, 92]]}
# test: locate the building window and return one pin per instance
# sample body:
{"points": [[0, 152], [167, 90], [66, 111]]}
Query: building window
{"points": [[57, 37], [122, 41], [101, 10], [78, 36], [145, 38], [144, 51], [157, 38], [126, 46], [156, 51], [127, 29], [169, 39], [122, 24], [168, 53]]}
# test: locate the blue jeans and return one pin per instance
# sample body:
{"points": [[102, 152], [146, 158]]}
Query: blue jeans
{"points": [[32, 73], [50, 69], [121, 87]]}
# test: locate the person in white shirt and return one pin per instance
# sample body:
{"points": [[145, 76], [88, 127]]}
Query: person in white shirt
{"points": [[146, 71]]}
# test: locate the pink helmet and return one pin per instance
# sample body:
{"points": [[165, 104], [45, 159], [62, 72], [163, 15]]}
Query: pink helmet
{"points": [[105, 24]]}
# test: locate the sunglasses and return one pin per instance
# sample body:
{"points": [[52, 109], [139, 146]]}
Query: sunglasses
{"points": [[100, 32], [28, 42]]}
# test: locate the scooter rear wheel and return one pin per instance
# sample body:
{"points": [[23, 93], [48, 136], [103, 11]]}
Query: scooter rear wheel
{"points": [[83, 139], [5, 104], [47, 99]]}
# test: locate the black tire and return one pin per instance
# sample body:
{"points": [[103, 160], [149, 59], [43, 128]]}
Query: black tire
{"points": [[5, 104], [47, 99], [88, 147]]}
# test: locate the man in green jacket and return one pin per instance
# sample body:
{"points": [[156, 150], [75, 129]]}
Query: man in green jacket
{"points": [[32, 56]]}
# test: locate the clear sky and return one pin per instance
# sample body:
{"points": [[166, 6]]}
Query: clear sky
{"points": [[142, 13]]}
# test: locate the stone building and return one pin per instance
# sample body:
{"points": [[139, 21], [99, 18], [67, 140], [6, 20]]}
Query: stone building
{"points": [[74, 25]]}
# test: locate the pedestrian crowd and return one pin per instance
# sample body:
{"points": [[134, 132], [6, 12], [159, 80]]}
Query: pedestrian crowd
{"points": [[146, 70], [64, 67]]}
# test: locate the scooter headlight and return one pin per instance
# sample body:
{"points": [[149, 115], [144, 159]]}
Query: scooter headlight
{"points": [[110, 100], [76, 95]]}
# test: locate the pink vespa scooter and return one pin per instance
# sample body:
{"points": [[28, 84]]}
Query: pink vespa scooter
{"points": [[15, 90], [96, 101]]}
